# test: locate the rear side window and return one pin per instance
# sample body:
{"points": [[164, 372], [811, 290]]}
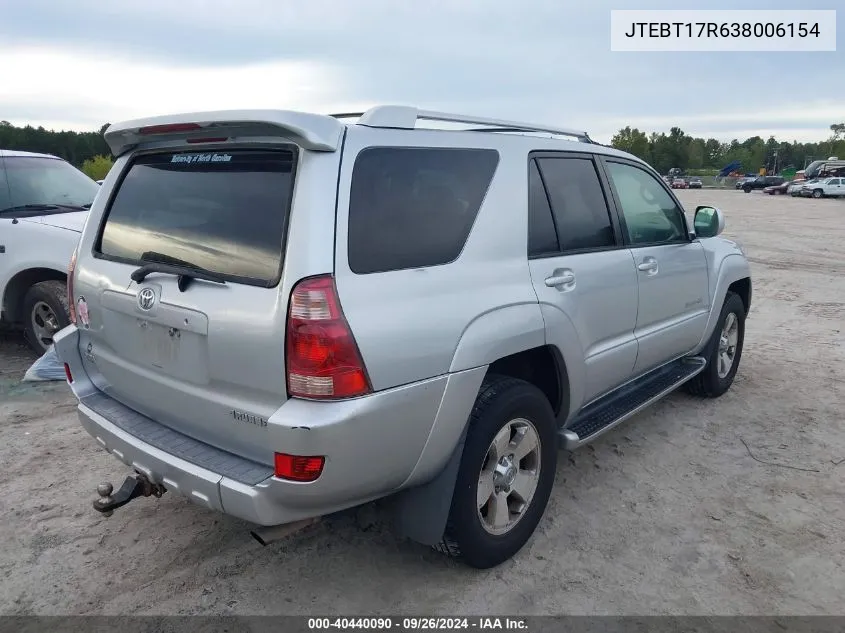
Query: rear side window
{"points": [[578, 203], [542, 237], [222, 211], [414, 207]]}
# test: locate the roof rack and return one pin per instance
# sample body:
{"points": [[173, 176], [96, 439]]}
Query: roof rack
{"points": [[406, 117]]}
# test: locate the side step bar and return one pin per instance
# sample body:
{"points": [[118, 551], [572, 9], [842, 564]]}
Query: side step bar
{"points": [[605, 413]]}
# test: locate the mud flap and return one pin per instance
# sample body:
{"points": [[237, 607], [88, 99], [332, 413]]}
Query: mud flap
{"points": [[420, 513]]}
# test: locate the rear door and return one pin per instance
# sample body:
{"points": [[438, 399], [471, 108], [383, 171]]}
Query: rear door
{"points": [[580, 268], [204, 358]]}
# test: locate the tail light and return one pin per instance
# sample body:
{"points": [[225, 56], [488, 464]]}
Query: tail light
{"points": [[68, 374], [71, 305], [323, 361]]}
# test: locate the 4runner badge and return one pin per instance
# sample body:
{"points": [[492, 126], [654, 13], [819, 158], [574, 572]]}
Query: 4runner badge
{"points": [[249, 418], [146, 298]]}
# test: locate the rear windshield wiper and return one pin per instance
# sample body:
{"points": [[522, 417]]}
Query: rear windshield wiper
{"points": [[185, 271]]}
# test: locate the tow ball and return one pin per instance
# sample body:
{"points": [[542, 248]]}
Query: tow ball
{"points": [[136, 485]]}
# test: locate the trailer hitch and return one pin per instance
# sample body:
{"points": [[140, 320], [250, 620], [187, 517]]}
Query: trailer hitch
{"points": [[135, 485]]}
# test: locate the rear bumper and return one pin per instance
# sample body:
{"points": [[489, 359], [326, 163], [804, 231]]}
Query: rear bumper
{"points": [[374, 446]]}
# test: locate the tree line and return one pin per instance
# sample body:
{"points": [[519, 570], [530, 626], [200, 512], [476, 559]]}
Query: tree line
{"points": [[89, 152], [692, 154]]}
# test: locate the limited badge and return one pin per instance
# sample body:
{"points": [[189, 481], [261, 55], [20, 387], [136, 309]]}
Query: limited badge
{"points": [[82, 312]]}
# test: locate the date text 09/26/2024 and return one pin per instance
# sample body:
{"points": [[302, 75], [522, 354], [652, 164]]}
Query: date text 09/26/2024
{"points": [[417, 623]]}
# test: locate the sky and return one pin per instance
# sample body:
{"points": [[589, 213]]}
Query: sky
{"points": [[82, 63]]}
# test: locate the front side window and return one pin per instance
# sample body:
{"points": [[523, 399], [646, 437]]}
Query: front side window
{"points": [[651, 214]]}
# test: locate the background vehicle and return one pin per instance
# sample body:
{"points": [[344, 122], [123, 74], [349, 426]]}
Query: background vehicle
{"points": [[827, 188], [44, 202], [795, 187], [679, 183], [780, 189], [739, 183], [695, 183], [761, 182], [832, 167], [354, 383]]}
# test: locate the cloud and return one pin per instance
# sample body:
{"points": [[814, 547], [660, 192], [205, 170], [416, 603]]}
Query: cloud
{"points": [[87, 62], [52, 85]]}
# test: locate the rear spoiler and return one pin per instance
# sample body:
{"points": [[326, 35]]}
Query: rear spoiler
{"points": [[311, 131]]}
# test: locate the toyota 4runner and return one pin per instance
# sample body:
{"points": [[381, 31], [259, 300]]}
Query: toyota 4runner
{"points": [[282, 315]]}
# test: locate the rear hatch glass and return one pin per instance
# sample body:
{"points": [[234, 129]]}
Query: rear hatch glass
{"points": [[223, 211]]}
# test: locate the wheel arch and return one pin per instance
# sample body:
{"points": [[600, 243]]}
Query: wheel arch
{"points": [[20, 283], [734, 275], [420, 512]]}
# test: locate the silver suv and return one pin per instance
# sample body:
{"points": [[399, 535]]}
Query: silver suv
{"points": [[283, 315]]}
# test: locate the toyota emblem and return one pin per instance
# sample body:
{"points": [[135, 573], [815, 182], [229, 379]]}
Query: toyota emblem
{"points": [[146, 298]]}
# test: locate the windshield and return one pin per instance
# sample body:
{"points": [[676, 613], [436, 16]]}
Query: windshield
{"points": [[33, 180]]}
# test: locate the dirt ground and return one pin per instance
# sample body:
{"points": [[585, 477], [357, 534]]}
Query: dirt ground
{"points": [[668, 514]]}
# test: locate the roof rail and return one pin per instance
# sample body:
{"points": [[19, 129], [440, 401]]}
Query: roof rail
{"points": [[406, 117]]}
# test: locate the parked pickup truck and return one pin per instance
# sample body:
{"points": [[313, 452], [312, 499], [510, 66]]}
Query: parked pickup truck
{"points": [[761, 182], [44, 202], [428, 330], [827, 188]]}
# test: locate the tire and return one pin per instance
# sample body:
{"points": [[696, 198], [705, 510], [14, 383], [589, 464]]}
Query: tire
{"points": [[747, 189], [501, 402], [45, 311], [709, 384], [817, 193]]}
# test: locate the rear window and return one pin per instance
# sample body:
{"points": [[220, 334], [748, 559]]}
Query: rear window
{"points": [[414, 207], [224, 211]]}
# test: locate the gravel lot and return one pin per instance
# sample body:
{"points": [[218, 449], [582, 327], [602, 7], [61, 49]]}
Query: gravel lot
{"points": [[667, 514]]}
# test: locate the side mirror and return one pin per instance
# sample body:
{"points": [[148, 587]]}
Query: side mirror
{"points": [[708, 222]]}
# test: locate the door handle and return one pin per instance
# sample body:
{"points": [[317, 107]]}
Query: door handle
{"points": [[560, 278], [648, 265]]}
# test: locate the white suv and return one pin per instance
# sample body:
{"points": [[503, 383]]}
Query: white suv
{"points": [[44, 202]]}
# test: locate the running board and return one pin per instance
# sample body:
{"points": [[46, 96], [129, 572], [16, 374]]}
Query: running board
{"points": [[604, 414]]}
